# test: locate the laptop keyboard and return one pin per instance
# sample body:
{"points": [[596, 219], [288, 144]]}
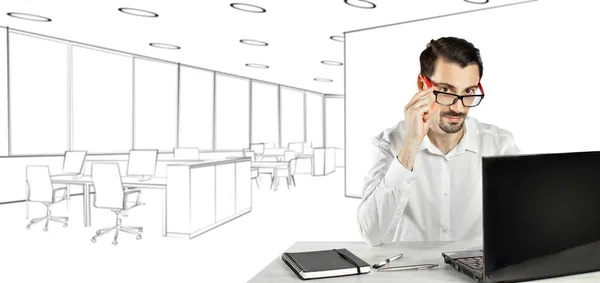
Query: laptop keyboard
{"points": [[475, 263]]}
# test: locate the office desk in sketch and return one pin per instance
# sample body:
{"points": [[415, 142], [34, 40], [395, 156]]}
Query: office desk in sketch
{"points": [[204, 195], [195, 195]]}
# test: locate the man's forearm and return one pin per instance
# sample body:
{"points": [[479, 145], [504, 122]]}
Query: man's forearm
{"points": [[407, 155]]}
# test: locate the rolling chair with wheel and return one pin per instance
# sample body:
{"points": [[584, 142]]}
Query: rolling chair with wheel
{"points": [[110, 194], [40, 189]]}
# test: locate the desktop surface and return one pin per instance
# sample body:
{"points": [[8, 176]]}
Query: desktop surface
{"points": [[126, 180], [414, 253]]}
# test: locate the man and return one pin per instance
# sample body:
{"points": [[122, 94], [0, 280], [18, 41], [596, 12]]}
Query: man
{"points": [[425, 180]]}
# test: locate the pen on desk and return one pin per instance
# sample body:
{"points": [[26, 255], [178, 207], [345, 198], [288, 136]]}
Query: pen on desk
{"points": [[409, 267], [382, 263]]}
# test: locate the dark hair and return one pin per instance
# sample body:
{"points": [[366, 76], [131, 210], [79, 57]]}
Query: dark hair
{"points": [[452, 49]]}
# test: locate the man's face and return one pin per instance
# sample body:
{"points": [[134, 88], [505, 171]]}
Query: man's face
{"points": [[451, 78]]}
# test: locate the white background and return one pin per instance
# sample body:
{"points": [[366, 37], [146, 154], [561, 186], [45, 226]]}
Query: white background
{"points": [[539, 68], [555, 62]]}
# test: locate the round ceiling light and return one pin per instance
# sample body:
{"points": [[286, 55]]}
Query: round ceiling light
{"points": [[253, 42], [165, 46], [30, 17], [247, 7], [254, 65], [138, 12], [332, 63], [361, 4], [337, 38], [323, 80], [477, 2]]}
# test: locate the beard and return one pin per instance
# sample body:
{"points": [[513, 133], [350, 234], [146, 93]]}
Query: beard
{"points": [[451, 127]]}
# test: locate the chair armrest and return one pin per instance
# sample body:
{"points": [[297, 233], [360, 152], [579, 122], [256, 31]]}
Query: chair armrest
{"points": [[126, 196], [132, 190], [289, 167], [64, 195]]}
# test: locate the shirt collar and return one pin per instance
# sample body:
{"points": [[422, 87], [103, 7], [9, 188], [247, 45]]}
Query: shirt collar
{"points": [[468, 142]]}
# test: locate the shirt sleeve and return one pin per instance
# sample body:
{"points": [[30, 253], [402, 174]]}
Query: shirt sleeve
{"points": [[386, 190]]}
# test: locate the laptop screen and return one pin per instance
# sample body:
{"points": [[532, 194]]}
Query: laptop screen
{"points": [[541, 215]]}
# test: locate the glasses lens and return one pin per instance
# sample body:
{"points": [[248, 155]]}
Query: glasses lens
{"points": [[445, 99], [471, 101]]}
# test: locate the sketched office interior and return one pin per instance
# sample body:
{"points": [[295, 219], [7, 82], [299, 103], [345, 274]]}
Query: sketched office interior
{"points": [[217, 136]]}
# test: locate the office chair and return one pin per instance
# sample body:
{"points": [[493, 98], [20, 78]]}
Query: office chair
{"points": [[289, 155], [288, 172], [40, 189], [258, 149], [254, 171], [110, 194], [297, 147]]}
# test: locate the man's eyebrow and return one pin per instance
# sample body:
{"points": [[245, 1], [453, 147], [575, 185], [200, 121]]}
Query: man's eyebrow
{"points": [[446, 84], [451, 86]]}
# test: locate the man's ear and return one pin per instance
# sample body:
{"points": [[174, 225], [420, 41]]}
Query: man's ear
{"points": [[420, 83]]}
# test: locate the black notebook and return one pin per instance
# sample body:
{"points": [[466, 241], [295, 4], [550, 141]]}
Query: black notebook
{"points": [[325, 263]]}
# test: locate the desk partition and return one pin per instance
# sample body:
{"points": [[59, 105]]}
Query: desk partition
{"points": [[204, 195]]}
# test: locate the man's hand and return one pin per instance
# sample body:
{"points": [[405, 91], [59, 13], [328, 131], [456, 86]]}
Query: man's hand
{"points": [[417, 114]]}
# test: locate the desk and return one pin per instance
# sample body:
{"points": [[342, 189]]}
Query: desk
{"points": [[204, 195], [414, 253], [274, 165], [128, 181]]}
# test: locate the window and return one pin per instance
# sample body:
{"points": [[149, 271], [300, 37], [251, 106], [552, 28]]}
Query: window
{"points": [[334, 109], [232, 113], [38, 95], [292, 116], [265, 115], [314, 119], [3, 95], [102, 101], [196, 108], [155, 104], [335, 122]]}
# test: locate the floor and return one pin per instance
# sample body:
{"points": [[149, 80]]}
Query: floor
{"points": [[314, 210]]}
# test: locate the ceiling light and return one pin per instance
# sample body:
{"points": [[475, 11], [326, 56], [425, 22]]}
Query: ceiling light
{"points": [[247, 7], [477, 1], [337, 38], [332, 63], [254, 42], [254, 65], [360, 4], [30, 17], [323, 80], [165, 46], [138, 12]]}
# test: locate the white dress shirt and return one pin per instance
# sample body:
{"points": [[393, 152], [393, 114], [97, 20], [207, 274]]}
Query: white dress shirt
{"points": [[440, 199]]}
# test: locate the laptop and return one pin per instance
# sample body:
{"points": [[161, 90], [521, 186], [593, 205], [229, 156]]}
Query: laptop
{"points": [[541, 218]]}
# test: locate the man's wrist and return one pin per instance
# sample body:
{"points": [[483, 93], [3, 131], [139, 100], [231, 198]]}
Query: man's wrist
{"points": [[406, 157]]}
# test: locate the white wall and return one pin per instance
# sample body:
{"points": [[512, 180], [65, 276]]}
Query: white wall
{"points": [[539, 69]]}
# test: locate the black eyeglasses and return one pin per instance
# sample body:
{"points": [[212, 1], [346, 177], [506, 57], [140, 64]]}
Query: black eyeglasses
{"points": [[447, 99]]}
